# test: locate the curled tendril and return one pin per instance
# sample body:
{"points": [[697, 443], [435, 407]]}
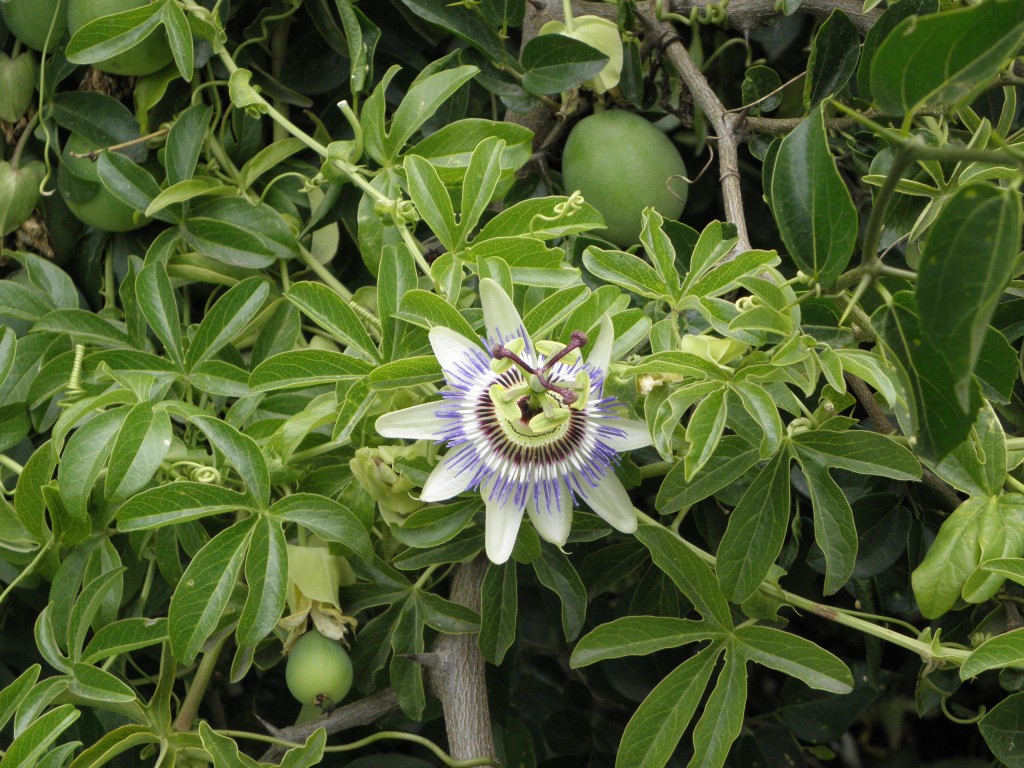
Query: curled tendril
{"points": [[199, 473], [798, 425], [74, 390], [710, 13], [568, 208]]}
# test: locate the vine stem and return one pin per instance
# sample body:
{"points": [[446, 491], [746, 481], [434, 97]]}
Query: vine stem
{"points": [[379, 736], [27, 570], [196, 691], [11, 464], [927, 651]]}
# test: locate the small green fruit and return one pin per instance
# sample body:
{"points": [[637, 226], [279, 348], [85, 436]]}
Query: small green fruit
{"points": [[78, 182], [17, 84], [19, 193], [623, 164], [318, 667], [151, 54], [30, 21]]}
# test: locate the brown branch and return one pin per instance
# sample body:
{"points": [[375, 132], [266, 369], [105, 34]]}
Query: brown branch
{"points": [[727, 125], [881, 424], [457, 677], [362, 712]]}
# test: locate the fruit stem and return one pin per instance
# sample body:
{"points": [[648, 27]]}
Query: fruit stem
{"points": [[23, 140], [570, 23]]}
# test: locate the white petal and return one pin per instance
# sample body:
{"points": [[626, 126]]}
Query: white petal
{"points": [[600, 353], [610, 500], [445, 482], [501, 320], [451, 349], [417, 423], [503, 521], [552, 523], [637, 435]]}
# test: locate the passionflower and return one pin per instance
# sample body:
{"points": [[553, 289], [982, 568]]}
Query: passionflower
{"points": [[527, 424]]}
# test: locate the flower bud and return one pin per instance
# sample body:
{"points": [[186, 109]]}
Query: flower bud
{"points": [[374, 470], [721, 351]]}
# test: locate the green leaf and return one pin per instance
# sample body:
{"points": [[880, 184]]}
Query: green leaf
{"points": [[499, 597], [551, 311], [1005, 650], [555, 572], [625, 270], [223, 750], [1001, 728], [29, 503], [658, 724], [179, 37], [88, 605], [124, 636], [432, 200], [406, 373], [940, 422], [160, 308], [424, 98], [758, 82], [227, 319], [130, 183], [978, 466], [756, 531], [100, 118], [968, 260], [99, 685], [722, 718], [555, 63], [691, 575], [202, 595], [112, 34], [637, 636], [833, 60], [242, 452], [114, 743], [305, 367], [140, 447], [944, 57], [332, 313], [734, 457], [479, 186], [31, 744], [326, 518], [233, 231], [951, 559], [881, 29], [15, 692], [704, 430], [543, 218], [266, 574], [177, 502], [795, 656], [83, 458], [446, 616], [309, 754], [858, 450], [427, 310], [434, 525], [813, 208], [834, 528], [268, 158], [462, 22], [84, 328]]}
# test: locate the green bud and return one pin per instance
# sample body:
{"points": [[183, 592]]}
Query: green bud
{"points": [[17, 84], [721, 351], [19, 193], [374, 470]]}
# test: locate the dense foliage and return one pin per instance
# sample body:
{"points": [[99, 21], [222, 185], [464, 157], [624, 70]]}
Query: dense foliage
{"points": [[241, 237]]}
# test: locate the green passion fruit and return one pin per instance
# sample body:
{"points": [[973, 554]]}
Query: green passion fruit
{"points": [[318, 669], [623, 164], [78, 182], [151, 54], [29, 21]]}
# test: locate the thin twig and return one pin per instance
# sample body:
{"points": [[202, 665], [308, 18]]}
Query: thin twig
{"points": [[727, 126]]}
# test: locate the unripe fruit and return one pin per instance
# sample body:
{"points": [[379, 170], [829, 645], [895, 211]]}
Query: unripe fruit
{"points": [[19, 193], [78, 181], [150, 55], [29, 21], [318, 667], [623, 164]]}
